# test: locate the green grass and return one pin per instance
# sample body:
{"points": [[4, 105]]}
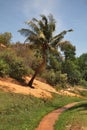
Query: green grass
{"points": [[83, 93], [24, 112], [74, 118]]}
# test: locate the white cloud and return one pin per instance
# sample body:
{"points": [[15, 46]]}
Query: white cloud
{"points": [[33, 8], [37, 7]]}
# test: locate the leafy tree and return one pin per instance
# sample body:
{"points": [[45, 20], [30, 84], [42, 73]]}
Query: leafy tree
{"points": [[71, 69], [5, 38], [68, 49], [82, 63], [54, 62], [40, 34]]}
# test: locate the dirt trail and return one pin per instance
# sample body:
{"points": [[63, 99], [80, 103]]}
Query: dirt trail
{"points": [[48, 121]]}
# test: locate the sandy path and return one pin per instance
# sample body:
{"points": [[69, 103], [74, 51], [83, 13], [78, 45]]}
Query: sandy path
{"points": [[48, 121]]}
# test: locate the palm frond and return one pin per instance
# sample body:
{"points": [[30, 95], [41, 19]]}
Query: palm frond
{"points": [[33, 26], [26, 32], [44, 19], [55, 40], [34, 20], [41, 25], [31, 38], [52, 22], [46, 27]]}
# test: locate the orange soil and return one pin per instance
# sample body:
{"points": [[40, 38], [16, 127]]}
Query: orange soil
{"points": [[41, 90]]}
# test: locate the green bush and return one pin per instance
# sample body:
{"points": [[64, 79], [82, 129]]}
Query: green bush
{"points": [[17, 68], [4, 68], [74, 77], [51, 77], [73, 74], [55, 78], [83, 83]]}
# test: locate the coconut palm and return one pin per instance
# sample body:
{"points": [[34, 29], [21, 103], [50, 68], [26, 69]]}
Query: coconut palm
{"points": [[40, 34]]}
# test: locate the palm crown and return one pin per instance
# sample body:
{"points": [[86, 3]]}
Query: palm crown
{"points": [[41, 32]]}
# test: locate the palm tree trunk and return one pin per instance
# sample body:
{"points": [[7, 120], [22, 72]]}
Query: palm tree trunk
{"points": [[38, 70], [32, 79]]}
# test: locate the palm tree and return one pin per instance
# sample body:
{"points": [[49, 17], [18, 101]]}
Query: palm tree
{"points": [[40, 34]]}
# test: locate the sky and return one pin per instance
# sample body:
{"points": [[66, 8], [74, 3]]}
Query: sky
{"points": [[67, 13]]}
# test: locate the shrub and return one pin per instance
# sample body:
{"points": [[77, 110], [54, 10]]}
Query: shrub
{"points": [[4, 68], [51, 77], [55, 78], [83, 83], [17, 68], [74, 77]]}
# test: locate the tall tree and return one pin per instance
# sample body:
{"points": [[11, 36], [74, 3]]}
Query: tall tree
{"points": [[68, 49], [40, 34], [82, 63]]}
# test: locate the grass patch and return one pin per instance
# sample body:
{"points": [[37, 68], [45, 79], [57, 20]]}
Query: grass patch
{"points": [[83, 93], [24, 112], [74, 118]]}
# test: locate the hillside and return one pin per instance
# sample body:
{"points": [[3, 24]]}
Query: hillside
{"points": [[41, 89]]}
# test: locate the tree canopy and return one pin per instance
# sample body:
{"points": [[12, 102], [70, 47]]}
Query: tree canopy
{"points": [[5, 38]]}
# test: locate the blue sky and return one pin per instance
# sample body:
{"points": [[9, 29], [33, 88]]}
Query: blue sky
{"points": [[67, 13]]}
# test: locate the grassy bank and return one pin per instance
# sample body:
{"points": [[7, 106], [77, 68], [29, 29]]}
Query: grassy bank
{"points": [[20, 112], [74, 118]]}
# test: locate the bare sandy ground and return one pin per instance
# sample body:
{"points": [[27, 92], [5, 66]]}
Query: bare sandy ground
{"points": [[41, 90]]}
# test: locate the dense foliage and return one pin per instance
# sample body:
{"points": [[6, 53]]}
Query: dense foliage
{"points": [[20, 60], [5, 38], [12, 65]]}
